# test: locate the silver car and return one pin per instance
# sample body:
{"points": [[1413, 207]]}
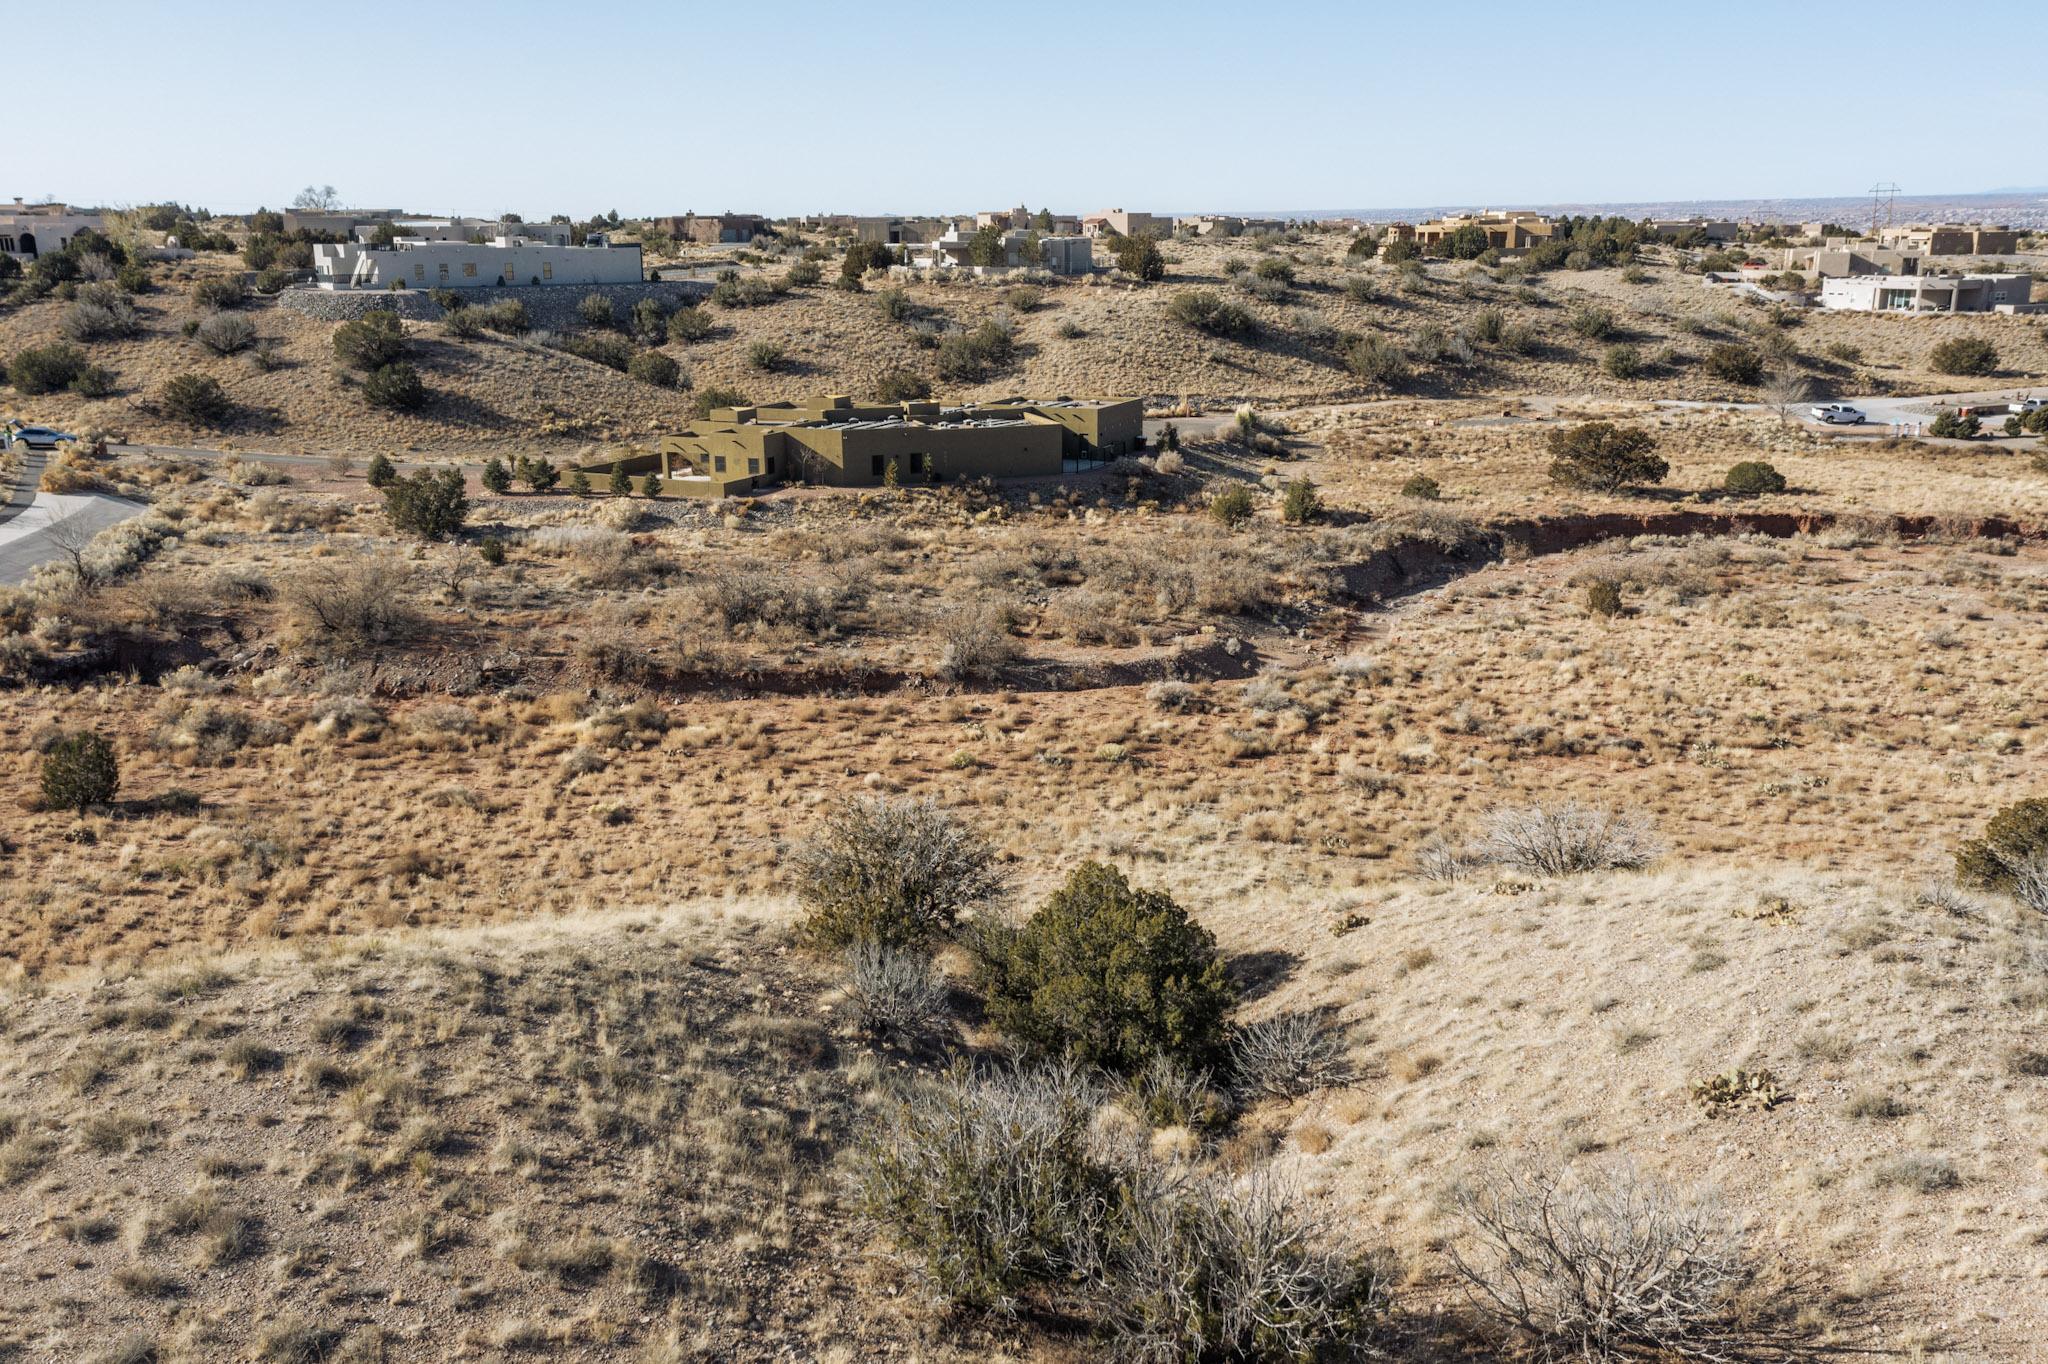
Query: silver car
{"points": [[38, 437]]}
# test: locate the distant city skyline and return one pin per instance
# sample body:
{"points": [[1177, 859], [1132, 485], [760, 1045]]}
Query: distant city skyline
{"points": [[658, 109]]}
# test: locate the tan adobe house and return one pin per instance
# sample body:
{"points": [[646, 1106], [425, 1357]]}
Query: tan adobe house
{"points": [[836, 442], [1505, 231]]}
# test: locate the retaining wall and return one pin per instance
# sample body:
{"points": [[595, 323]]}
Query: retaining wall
{"points": [[548, 307]]}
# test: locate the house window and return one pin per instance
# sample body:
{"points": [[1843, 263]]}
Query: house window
{"points": [[718, 463], [877, 466], [469, 269], [444, 272], [753, 466], [547, 269], [419, 272]]}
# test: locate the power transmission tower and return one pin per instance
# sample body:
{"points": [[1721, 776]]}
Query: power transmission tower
{"points": [[1881, 193]]}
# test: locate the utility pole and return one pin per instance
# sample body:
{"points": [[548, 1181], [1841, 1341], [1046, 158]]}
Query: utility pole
{"points": [[1882, 191]]}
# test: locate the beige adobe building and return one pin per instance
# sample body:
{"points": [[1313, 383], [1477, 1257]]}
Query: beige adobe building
{"points": [[1505, 230], [31, 230], [839, 443], [1952, 239], [713, 228], [1124, 223]]}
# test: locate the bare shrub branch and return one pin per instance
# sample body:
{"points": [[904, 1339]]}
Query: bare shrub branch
{"points": [[1288, 1056], [1588, 1264], [1568, 838]]}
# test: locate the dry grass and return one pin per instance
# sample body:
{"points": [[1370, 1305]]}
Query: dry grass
{"points": [[588, 1140], [585, 1135]]}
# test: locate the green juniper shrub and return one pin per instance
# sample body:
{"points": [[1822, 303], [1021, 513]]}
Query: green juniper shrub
{"points": [[968, 357], [578, 484], [706, 399], [896, 305], [1300, 503], [902, 385], [597, 310], [1955, 426], [897, 873], [1422, 487], [492, 549], [2012, 426], [94, 381], [650, 486], [1754, 476], [1591, 321], [1599, 456], [689, 324], [1967, 355], [507, 315], [803, 274], [214, 294], [539, 474], [432, 504], [1233, 506], [370, 342], [767, 356], [1622, 361], [620, 483], [1140, 258], [613, 352], [1204, 311], [381, 473], [496, 476], [653, 367], [1603, 597], [197, 399], [1110, 976], [79, 770], [395, 387], [2015, 842], [1735, 363], [1377, 361], [37, 370]]}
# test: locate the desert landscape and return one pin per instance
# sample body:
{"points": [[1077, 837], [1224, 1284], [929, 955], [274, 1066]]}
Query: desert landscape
{"points": [[1500, 816]]}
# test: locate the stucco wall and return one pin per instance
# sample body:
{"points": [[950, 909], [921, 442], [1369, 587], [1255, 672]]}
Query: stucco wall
{"points": [[461, 265]]}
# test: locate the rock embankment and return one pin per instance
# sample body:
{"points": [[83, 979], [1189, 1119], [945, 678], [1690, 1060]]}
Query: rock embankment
{"points": [[549, 307]]}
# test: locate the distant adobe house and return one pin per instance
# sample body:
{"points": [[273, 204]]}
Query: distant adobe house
{"points": [[714, 228], [953, 250], [1506, 231], [839, 443], [1124, 223], [31, 230], [415, 263], [1952, 239]]}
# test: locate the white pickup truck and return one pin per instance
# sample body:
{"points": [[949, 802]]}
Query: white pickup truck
{"points": [[1837, 414]]}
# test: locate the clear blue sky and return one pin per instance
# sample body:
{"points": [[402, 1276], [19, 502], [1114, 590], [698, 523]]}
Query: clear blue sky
{"points": [[794, 106]]}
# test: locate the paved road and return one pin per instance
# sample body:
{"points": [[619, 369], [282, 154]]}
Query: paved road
{"points": [[1881, 411], [31, 521]]}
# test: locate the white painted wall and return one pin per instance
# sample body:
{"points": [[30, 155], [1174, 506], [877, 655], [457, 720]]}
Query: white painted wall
{"points": [[459, 265]]}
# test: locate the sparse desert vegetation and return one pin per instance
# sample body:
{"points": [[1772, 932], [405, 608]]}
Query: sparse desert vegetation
{"points": [[1489, 836]]}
